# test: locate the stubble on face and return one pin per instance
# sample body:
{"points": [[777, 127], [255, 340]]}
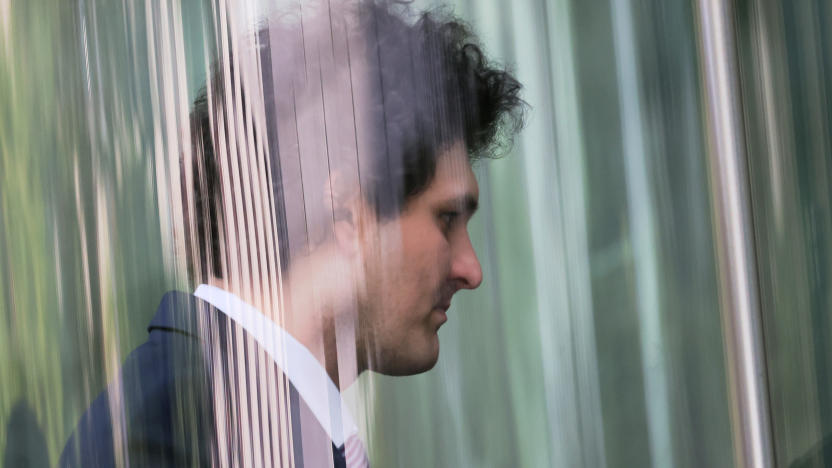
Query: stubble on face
{"points": [[410, 271]]}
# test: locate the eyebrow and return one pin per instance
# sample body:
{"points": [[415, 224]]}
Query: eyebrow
{"points": [[468, 203]]}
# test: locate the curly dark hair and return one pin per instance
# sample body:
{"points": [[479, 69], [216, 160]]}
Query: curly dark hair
{"points": [[428, 85], [436, 86]]}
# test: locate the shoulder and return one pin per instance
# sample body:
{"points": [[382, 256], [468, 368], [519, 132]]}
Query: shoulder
{"points": [[152, 412], [197, 372]]}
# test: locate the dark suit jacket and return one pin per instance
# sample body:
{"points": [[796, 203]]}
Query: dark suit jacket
{"points": [[199, 392]]}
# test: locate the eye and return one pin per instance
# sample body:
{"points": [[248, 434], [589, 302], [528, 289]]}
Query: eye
{"points": [[447, 219]]}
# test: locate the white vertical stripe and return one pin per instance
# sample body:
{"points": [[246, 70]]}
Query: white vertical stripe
{"points": [[642, 236]]}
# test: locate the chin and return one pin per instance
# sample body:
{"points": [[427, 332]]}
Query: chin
{"points": [[426, 365], [412, 369], [430, 357], [413, 362]]}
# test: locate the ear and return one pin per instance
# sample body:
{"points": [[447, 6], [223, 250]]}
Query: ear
{"points": [[346, 230], [347, 211]]}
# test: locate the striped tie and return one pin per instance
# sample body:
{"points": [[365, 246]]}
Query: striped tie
{"points": [[355, 454]]}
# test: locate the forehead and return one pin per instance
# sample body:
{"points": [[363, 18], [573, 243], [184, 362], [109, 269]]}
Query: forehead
{"points": [[453, 178]]}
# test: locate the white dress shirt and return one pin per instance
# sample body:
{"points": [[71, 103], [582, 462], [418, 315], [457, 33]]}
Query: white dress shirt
{"points": [[298, 364]]}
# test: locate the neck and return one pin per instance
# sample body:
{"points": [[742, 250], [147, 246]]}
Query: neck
{"points": [[319, 321]]}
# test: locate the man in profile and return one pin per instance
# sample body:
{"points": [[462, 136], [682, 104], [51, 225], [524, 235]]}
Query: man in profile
{"points": [[326, 207]]}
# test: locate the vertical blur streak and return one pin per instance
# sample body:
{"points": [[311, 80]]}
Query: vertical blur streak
{"points": [[599, 303], [786, 49], [732, 223], [595, 340], [642, 228], [561, 266], [576, 308]]}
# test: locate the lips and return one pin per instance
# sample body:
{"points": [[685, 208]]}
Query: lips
{"points": [[444, 300], [441, 312], [444, 303]]}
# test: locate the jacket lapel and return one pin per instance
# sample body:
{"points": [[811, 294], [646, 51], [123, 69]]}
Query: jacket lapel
{"points": [[245, 387]]}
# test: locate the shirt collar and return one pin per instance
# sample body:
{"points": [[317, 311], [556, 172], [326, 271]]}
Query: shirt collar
{"points": [[296, 361]]}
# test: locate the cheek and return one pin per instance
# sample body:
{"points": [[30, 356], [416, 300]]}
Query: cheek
{"points": [[426, 267], [416, 264], [423, 242], [415, 249]]}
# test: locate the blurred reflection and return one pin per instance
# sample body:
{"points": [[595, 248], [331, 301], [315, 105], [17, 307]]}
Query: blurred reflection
{"points": [[301, 171], [25, 445], [786, 51], [316, 197]]}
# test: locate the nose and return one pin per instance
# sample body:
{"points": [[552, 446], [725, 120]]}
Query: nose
{"points": [[466, 271]]}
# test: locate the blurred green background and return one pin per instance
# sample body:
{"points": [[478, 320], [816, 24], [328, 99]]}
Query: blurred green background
{"points": [[596, 337]]}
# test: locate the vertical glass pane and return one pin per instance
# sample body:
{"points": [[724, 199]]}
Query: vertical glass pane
{"points": [[92, 97], [786, 51], [596, 339]]}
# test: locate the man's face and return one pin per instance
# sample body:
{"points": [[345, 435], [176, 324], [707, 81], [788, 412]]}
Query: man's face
{"points": [[421, 258]]}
